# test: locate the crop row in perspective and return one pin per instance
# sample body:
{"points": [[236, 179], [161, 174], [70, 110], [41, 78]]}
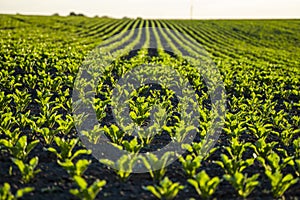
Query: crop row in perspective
{"points": [[256, 156]]}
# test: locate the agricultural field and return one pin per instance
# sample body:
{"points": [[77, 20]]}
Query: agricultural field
{"points": [[44, 153]]}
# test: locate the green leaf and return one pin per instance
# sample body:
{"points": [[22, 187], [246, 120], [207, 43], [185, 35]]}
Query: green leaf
{"points": [[52, 150], [153, 190], [67, 164], [75, 192], [81, 152], [32, 145], [80, 182], [81, 166], [5, 143], [20, 164], [34, 162], [20, 193]]}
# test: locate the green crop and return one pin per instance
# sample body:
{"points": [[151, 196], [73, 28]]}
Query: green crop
{"points": [[19, 149], [93, 135], [262, 148], [156, 166], [140, 110], [190, 164], [181, 130], [41, 58], [8, 120], [279, 182], [231, 165], [21, 100], [5, 192], [66, 148], [49, 110], [133, 146], [99, 106], [235, 126], [165, 190], [28, 171], [204, 185], [237, 148], [199, 149], [287, 134], [274, 165], [24, 121], [65, 125], [244, 185], [115, 134], [86, 192], [48, 134], [123, 166], [260, 130], [273, 162], [235, 163], [75, 169]]}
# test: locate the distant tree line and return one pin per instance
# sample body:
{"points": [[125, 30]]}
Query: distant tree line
{"points": [[82, 15], [74, 14]]}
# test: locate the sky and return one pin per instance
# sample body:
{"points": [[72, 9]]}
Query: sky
{"points": [[179, 9]]}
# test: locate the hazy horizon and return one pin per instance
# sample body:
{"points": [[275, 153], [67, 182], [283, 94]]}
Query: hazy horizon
{"points": [[167, 9]]}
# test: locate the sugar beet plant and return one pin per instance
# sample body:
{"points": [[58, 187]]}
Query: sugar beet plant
{"points": [[204, 185], [165, 190], [6, 194]]}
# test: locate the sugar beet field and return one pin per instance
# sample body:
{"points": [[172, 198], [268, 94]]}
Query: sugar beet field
{"points": [[247, 85]]}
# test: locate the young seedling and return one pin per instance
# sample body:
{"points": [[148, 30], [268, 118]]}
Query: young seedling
{"points": [[140, 110], [280, 183], [66, 147], [86, 192], [237, 148], [49, 110], [156, 166], [165, 190], [262, 148], [65, 125], [243, 185], [199, 149], [27, 170], [48, 134], [21, 148], [273, 169], [24, 121], [233, 165], [7, 122], [273, 162], [99, 107], [116, 135], [4, 101], [287, 134], [75, 169], [259, 129], [6, 194], [190, 164], [93, 135], [123, 166], [234, 125], [133, 146], [204, 185], [179, 132], [21, 100]]}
